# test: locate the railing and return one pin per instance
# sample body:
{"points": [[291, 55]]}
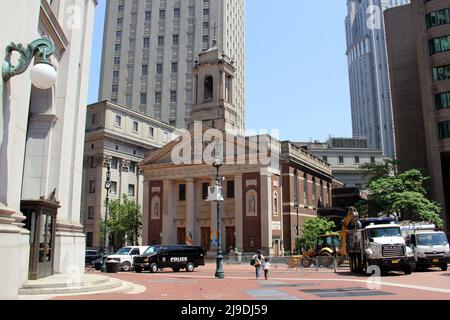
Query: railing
{"points": [[294, 262]]}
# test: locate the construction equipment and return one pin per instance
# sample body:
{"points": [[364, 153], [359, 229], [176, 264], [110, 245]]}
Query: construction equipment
{"points": [[328, 247], [331, 246]]}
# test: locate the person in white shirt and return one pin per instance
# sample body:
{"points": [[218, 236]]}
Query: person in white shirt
{"points": [[258, 259]]}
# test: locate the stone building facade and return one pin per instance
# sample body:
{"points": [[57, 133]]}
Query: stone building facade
{"points": [[122, 138], [346, 156], [41, 144]]}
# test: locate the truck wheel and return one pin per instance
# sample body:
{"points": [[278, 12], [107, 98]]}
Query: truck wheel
{"points": [[190, 267], [366, 267], [306, 262], [126, 266], [138, 269], [351, 261], [408, 270], [444, 267], [153, 268], [360, 267], [326, 259]]}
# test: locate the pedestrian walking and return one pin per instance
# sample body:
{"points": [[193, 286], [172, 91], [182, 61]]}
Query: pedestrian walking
{"points": [[257, 262], [266, 267]]}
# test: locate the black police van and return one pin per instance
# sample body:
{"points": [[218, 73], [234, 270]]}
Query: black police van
{"points": [[176, 257]]}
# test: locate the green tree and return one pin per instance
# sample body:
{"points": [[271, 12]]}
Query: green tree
{"points": [[313, 228], [124, 222], [399, 193], [374, 171]]}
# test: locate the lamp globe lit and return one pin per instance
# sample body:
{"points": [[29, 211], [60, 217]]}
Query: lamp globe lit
{"points": [[43, 76]]}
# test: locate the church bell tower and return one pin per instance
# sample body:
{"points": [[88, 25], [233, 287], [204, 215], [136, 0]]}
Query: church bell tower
{"points": [[214, 74]]}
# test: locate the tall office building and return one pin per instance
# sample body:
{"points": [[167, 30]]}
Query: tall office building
{"points": [[150, 48], [369, 74], [418, 38]]}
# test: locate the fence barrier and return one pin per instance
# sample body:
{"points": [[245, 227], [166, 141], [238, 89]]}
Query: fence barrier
{"points": [[294, 262]]}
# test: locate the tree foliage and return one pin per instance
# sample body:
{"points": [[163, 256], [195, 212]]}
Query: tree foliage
{"points": [[124, 222], [403, 193], [313, 228]]}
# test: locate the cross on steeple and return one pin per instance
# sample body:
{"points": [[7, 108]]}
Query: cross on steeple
{"points": [[215, 36]]}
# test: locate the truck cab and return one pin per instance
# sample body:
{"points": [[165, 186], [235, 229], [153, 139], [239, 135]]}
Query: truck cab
{"points": [[378, 242], [431, 249], [385, 247]]}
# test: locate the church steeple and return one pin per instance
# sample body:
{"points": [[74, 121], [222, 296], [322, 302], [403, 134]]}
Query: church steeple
{"points": [[214, 74]]}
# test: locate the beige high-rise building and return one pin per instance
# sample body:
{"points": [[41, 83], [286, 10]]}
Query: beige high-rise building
{"points": [[150, 48]]}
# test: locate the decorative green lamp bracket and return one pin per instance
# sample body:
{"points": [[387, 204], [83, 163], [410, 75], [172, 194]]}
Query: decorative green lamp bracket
{"points": [[42, 49]]}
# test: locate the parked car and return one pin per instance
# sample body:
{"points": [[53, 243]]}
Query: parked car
{"points": [[91, 256], [125, 256], [175, 257]]}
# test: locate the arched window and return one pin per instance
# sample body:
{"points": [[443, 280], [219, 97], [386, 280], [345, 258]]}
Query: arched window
{"points": [[209, 85], [228, 89]]}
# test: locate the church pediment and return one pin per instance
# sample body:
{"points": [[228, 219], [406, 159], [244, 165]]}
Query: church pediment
{"points": [[197, 147]]}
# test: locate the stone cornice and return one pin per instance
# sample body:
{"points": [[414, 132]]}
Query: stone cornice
{"points": [[56, 33], [165, 171]]}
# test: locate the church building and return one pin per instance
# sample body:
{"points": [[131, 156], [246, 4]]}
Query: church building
{"points": [[258, 187]]}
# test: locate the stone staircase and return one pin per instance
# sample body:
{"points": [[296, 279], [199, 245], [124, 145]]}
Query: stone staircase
{"points": [[67, 285]]}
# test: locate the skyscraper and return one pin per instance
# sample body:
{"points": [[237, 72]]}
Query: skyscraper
{"points": [[417, 37], [368, 72], [150, 48]]}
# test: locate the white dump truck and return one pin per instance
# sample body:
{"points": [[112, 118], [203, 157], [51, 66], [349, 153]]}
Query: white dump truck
{"points": [[376, 242], [430, 247]]}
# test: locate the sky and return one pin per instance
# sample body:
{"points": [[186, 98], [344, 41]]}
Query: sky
{"points": [[296, 68]]}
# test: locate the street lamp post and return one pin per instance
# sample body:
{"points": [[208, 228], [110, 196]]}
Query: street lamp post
{"points": [[105, 243], [297, 207], [218, 162], [43, 74]]}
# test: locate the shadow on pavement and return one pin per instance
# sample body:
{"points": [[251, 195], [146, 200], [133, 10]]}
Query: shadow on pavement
{"points": [[358, 275]]}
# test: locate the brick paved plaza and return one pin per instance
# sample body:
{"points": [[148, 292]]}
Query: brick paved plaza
{"points": [[284, 284]]}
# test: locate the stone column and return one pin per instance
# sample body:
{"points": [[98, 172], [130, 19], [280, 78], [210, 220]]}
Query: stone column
{"points": [[266, 212], [14, 111], [168, 213], [239, 212], [145, 212], [282, 215], [190, 208]]}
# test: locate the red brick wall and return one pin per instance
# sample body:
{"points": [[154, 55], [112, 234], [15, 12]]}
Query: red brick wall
{"points": [[290, 216], [155, 226], [252, 225]]}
